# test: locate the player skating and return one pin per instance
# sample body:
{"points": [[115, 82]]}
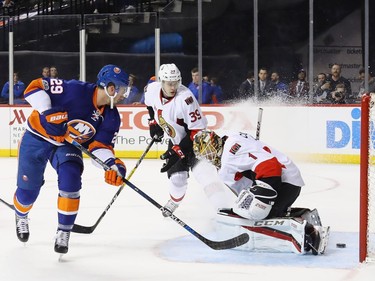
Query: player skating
{"points": [[266, 182], [88, 114], [174, 111]]}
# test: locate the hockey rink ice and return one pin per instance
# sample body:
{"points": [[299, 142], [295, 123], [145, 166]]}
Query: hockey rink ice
{"points": [[134, 241]]}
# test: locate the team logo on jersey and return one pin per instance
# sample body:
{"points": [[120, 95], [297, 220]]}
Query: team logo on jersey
{"points": [[165, 126], [95, 115], [234, 148], [80, 130], [45, 85]]}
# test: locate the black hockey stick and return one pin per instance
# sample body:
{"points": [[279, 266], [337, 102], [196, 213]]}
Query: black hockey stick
{"points": [[216, 245], [259, 123], [90, 229], [7, 204]]}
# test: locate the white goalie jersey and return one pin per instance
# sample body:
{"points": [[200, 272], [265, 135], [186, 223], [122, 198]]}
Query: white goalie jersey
{"points": [[242, 152], [177, 114]]}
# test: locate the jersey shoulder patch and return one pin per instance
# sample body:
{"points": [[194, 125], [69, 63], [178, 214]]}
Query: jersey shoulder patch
{"points": [[189, 100]]}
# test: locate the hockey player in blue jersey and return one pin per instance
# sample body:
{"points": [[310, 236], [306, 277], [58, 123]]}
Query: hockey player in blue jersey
{"points": [[85, 112]]}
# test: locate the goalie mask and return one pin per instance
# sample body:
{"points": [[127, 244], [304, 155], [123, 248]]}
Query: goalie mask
{"points": [[207, 144]]}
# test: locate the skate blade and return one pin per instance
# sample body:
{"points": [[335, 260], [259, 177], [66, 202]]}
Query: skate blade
{"points": [[60, 259]]}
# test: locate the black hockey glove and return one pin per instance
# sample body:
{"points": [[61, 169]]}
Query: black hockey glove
{"points": [[171, 156], [155, 130]]}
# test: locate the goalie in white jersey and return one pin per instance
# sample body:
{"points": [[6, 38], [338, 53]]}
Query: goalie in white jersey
{"points": [[174, 111], [265, 180]]}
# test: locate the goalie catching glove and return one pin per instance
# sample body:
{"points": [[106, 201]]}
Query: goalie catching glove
{"points": [[171, 156], [156, 131], [115, 176], [54, 121]]}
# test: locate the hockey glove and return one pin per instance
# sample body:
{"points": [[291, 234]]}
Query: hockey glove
{"points": [[115, 176], [155, 130], [171, 156], [54, 121]]}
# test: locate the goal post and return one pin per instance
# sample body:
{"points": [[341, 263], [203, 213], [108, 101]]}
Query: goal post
{"points": [[367, 180]]}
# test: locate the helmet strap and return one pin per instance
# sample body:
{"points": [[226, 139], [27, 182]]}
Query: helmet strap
{"points": [[111, 97]]}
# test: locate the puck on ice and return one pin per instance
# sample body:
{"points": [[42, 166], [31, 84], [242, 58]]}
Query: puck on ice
{"points": [[341, 245]]}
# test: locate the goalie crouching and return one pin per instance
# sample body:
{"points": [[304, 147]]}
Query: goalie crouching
{"points": [[266, 183]]}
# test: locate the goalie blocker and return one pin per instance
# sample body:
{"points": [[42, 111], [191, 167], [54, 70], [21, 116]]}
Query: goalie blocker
{"points": [[300, 232]]}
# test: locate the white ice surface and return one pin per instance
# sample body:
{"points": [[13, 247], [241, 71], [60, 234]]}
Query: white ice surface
{"points": [[134, 242]]}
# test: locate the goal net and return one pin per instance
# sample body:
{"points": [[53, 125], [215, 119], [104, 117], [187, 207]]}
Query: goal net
{"points": [[367, 180]]}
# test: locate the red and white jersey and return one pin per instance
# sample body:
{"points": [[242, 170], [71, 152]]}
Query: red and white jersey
{"points": [[242, 152], [176, 115]]}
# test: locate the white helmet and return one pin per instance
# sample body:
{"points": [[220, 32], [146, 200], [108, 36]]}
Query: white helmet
{"points": [[169, 73]]}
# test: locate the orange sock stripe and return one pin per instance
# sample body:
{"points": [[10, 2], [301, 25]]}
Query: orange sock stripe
{"points": [[67, 205], [21, 208]]}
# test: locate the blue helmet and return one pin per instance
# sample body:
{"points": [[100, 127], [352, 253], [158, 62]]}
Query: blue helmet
{"points": [[114, 74]]}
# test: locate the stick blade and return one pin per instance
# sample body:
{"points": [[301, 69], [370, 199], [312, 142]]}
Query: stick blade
{"points": [[228, 244], [83, 229]]}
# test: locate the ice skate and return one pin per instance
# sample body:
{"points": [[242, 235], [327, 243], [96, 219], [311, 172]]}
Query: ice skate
{"points": [[169, 208], [312, 239], [62, 241], [22, 228]]}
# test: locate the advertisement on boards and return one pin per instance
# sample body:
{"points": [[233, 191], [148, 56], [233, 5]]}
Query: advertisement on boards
{"points": [[327, 133]]}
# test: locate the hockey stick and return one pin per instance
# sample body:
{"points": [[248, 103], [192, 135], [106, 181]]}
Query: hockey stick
{"points": [[7, 204], [90, 229], [259, 123], [216, 245]]}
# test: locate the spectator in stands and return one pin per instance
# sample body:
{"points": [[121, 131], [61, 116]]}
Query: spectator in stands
{"points": [[338, 95], [321, 88], [208, 95], [299, 89], [264, 84], [218, 91], [134, 94], [45, 72], [18, 89], [279, 88], [53, 72], [246, 89], [371, 84], [335, 78]]}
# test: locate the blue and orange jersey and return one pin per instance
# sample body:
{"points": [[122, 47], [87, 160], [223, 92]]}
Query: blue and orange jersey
{"points": [[91, 126]]}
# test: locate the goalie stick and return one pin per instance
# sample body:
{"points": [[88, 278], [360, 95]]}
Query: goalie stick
{"points": [[90, 229], [216, 245], [259, 123]]}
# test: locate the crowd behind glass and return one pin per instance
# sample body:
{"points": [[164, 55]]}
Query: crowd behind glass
{"points": [[328, 88]]}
